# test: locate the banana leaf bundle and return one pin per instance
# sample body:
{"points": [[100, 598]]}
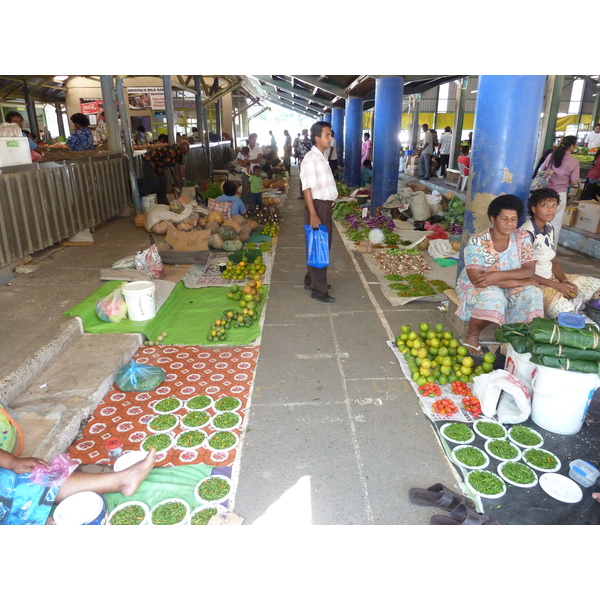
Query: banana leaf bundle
{"points": [[549, 331], [566, 364], [515, 334], [559, 351]]}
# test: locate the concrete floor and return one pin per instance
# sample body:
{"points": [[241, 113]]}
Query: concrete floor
{"points": [[335, 433]]}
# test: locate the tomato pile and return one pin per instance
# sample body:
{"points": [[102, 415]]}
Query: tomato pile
{"points": [[472, 405], [460, 389], [430, 389], [444, 407]]}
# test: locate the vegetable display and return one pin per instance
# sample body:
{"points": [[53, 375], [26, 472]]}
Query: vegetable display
{"points": [[213, 489], [485, 482], [541, 459], [198, 402], [518, 472], [458, 432], [470, 456], [490, 430], [227, 403], [202, 517], [196, 418], [226, 421], [525, 436], [169, 513], [163, 422], [129, 515], [444, 407], [222, 440], [190, 439], [160, 441], [503, 449], [167, 405]]}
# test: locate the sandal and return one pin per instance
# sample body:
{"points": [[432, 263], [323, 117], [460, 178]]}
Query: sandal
{"points": [[439, 495], [476, 350], [462, 515]]}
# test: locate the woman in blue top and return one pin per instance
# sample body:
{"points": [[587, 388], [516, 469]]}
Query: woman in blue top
{"points": [[82, 138]]}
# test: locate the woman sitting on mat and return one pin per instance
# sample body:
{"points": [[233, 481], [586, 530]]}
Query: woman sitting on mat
{"points": [[23, 502], [562, 293], [497, 283]]}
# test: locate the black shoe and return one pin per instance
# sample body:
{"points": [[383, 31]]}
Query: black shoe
{"points": [[307, 287], [323, 297]]}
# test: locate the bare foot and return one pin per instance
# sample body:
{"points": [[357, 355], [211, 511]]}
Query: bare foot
{"points": [[472, 344], [596, 496], [135, 474]]}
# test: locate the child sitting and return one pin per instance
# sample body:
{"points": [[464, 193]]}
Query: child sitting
{"points": [[256, 187], [229, 195]]}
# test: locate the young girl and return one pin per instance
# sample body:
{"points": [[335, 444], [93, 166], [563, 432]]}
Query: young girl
{"points": [[562, 293]]}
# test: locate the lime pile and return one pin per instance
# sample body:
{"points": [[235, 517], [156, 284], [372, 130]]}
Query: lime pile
{"points": [[244, 270], [435, 356]]}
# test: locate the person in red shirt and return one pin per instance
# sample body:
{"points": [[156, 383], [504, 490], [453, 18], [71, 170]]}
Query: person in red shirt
{"points": [[464, 158], [592, 187]]}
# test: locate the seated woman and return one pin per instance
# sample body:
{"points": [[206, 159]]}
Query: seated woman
{"points": [[497, 283], [562, 293], [23, 502]]}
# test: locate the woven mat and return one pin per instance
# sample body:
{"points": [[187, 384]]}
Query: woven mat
{"points": [[191, 371]]}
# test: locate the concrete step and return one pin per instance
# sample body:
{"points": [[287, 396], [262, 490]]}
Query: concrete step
{"points": [[52, 407]]}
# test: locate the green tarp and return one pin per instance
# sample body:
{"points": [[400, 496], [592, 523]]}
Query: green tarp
{"points": [[186, 316]]}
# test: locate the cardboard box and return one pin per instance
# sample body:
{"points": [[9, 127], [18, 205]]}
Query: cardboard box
{"points": [[569, 216], [412, 170], [412, 160], [185, 241], [452, 176], [588, 216]]}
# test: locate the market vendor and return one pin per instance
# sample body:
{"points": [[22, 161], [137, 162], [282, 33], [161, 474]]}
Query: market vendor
{"points": [[497, 283], [562, 293], [24, 502], [15, 117], [82, 138], [155, 163]]}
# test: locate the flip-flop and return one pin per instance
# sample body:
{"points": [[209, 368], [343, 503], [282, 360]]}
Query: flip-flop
{"points": [[462, 515], [480, 348], [438, 495]]}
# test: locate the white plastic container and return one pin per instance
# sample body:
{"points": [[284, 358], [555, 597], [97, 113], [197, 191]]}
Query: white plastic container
{"points": [[83, 508], [14, 151], [561, 398], [583, 472], [519, 365], [139, 297], [148, 201]]}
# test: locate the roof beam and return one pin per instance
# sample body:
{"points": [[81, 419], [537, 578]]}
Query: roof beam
{"points": [[302, 103], [288, 87], [293, 107], [332, 88]]}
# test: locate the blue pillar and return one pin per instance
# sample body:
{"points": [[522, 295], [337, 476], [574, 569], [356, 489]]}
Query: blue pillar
{"points": [[505, 134], [337, 124], [327, 117], [353, 140], [386, 140]]}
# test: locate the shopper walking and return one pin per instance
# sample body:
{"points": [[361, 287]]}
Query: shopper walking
{"points": [[592, 139], [296, 149], [367, 149], [332, 156], [320, 192], [425, 156], [287, 149], [565, 172], [304, 146], [445, 144]]}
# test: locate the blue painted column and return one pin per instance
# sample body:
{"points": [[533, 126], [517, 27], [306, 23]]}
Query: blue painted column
{"points": [[327, 117], [505, 135], [337, 124], [386, 140], [353, 140]]}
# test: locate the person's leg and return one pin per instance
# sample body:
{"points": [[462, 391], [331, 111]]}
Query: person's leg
{"points": [[444, 159], [427, 166], [558, 217], [474, 329], [317, 278], [126, 481], [421, 166]]}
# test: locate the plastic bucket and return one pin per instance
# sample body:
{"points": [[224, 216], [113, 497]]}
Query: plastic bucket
{"points": [[148, 201], [561, 398], [83, 508], [519, 365], [139, 297]]}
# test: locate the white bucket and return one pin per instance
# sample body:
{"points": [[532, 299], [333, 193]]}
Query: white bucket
{"points": [[83, 508], [561, 398], [519, 365], [148, 201], [139, 297]]}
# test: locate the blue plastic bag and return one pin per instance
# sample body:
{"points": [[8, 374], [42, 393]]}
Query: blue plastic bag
{"points": [[317, 246], [135, 377]]}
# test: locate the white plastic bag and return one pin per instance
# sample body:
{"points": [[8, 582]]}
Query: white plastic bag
{"points": [[441, 249], [419, 206], [503, 396]]}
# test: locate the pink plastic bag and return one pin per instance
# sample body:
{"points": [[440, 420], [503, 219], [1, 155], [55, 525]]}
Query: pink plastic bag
{"points": [[54, 475], [149, 260]]}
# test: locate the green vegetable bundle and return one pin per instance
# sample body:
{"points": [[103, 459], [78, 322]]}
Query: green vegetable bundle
{"points": [[560, 351]]}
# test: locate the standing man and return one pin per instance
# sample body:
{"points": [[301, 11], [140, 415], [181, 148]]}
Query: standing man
{"points": [[332, 157], [320, 192], [287, 150], [445, 143], [304, 147], [273, 146], [255, 155], [366, 152], [425, 156], [592, 139]]}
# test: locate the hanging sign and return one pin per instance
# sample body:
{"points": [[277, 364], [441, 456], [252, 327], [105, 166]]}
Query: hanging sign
{"points": [[91, 108], [144, 98]]}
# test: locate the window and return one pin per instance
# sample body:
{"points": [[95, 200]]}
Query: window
{"points": [[576, 96], [443, 98]]}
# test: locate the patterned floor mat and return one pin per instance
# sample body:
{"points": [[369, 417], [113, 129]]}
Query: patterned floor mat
{"points": [[191, 371]]}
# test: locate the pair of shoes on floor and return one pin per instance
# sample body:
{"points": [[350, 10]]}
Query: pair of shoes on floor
{"points": [[460, 508], [307, 287], [323, 297]]}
